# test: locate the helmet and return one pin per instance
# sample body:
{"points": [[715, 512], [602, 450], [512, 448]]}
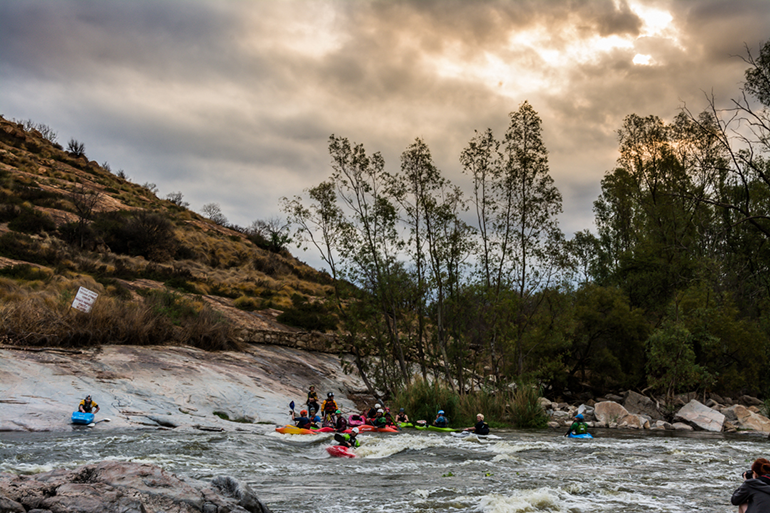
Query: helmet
{"points": [[303, 412], [312, 386], [400, 409], [378, 405], [355, 430], [88, 398], [579, 416], [330, 394], [380, 411], [338, 411], [441, 412]]}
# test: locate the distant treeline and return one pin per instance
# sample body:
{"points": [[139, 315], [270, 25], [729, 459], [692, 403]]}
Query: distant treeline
{"points": [[670, 295]]}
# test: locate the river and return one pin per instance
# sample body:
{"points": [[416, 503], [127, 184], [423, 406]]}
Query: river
{"points": [[522, 471]]}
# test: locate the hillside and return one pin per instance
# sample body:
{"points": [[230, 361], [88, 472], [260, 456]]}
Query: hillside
{"points": [[164, 274]]}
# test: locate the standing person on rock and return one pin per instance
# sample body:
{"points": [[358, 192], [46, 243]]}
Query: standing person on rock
{"points": [[88, 406], [312, 401], [753, 496]]}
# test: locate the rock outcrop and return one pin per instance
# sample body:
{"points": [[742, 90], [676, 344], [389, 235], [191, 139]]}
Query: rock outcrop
{"points": [[609, 412], [747, 419], [165, 387], [697, 414], [642, 405], [122, 487]]}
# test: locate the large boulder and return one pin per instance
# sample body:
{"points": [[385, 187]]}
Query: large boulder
{"points": [[747, 419], [609, 412], [701, 416], [124, 487], [641, 404]]}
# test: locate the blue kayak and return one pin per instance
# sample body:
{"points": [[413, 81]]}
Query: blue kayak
{"points": [[585, 435], [79, 417]]}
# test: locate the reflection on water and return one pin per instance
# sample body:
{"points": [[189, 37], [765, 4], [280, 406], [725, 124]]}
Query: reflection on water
{"points": [[428, 472]]}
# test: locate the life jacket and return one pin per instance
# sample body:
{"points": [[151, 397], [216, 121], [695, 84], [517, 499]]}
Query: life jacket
{"points": [[379, 422], [441, 421], [401, 417], [330, 406], [581, 428], [482, 429], [342, 424], [88, 407], [303, 422], [347, 440]]}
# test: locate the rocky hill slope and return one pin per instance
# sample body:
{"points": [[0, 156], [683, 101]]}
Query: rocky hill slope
{"points": [[163, 273]]}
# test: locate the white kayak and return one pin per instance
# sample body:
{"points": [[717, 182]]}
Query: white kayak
{"points": [[471, 434]]}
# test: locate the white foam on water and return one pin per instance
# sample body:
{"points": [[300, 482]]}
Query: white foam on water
{"points": [[384, 446], [543, 499]]}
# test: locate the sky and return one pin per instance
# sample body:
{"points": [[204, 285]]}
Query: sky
{"points": [[233, 101]]}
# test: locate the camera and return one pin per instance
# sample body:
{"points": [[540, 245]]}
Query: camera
{"points": [[748, 474]]}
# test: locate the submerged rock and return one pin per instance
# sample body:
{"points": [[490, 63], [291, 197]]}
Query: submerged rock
{"points": [[124, 487]]}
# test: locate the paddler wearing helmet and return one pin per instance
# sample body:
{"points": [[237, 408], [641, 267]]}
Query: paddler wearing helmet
{"points": [[340, 424], [88, 406], [379, 420], [348, 440], [441, 420], [302, 422], [578, 427]]}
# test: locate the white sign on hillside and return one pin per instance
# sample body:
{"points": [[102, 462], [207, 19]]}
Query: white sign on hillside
{"points": [[84, 300]]}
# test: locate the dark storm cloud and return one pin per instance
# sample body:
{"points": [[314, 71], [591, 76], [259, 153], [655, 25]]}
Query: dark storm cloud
{"points": [[233, 101]]}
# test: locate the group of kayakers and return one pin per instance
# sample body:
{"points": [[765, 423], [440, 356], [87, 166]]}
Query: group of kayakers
{"points": [[329, 414]]}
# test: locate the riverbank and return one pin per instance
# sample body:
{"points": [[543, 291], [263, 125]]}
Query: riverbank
{"points": [[173, 387]]}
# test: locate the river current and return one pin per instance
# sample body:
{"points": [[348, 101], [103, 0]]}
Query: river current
{"points": [[522, 471]]}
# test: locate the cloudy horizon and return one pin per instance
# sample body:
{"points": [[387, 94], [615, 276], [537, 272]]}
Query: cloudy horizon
{"points": [[232, 102]]}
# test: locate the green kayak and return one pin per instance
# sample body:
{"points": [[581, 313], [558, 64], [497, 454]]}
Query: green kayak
{"points": [[434, 428], [405, 424]]}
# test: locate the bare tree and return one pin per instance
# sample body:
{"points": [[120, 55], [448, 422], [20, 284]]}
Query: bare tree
{"points": [[85, 201], [214, 212]]}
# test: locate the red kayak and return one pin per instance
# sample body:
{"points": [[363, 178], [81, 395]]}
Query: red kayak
{"points": [[340, 451]]}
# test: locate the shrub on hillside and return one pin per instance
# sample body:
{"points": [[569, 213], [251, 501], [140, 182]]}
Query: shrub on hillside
{"points": [[29, 220], [143, 233], [308, 316], [20, 246], [25, 272], [46, 319]]}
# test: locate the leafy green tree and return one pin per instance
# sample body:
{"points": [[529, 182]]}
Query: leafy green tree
{"points": [[671, 361]]}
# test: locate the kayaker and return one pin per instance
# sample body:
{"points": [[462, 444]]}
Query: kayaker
{"points": [[312, 400], [302, 422], [373, 411], [348, 440], [441, 421], [340, 424], [328, 410], [753, 496], [578, 427], [401, 416], [388, 417], [481, 427], [87, 405], [379, 420]]}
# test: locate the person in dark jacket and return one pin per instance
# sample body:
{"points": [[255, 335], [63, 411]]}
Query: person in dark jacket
{"points": [[753, 496], [481, 427]]}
